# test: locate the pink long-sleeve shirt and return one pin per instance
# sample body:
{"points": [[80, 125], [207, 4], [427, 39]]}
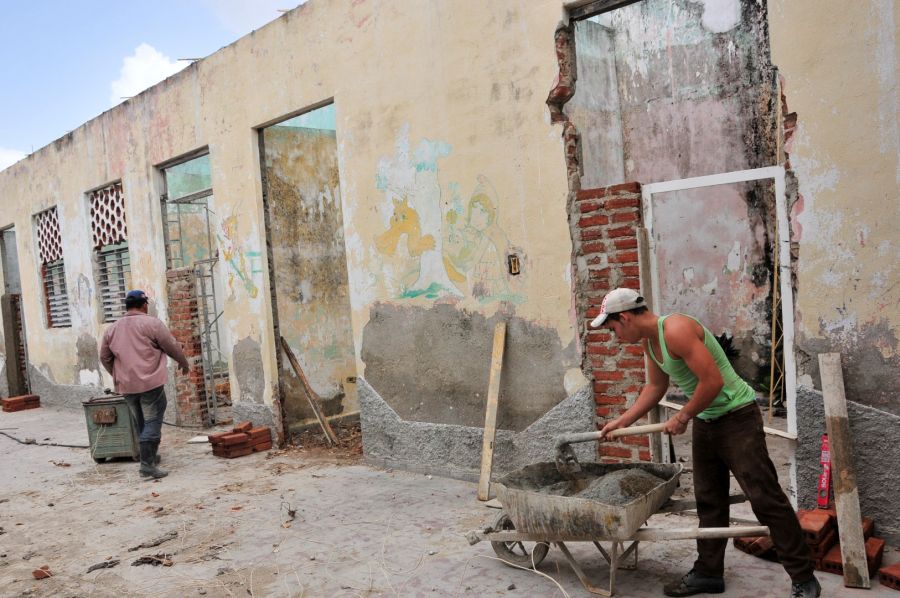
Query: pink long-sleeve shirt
{"points": [[134, 351]]}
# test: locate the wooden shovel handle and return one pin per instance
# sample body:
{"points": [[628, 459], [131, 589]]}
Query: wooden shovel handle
{"points": [[636, 430]]}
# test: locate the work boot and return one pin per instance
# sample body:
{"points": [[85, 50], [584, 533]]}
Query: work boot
{"points": [[157, 459], [148, 461], [807, 589], [695, 583]]}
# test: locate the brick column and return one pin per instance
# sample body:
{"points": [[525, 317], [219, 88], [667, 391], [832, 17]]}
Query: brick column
{"points": [[190, 390], [608, 219]]}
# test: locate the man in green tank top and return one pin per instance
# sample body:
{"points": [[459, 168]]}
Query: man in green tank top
{"points": [[727, 436]]}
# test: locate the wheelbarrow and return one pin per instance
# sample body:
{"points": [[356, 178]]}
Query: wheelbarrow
{"points": [[541, 520]]}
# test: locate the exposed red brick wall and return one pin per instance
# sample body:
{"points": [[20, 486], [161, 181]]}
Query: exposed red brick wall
{"points": [[604, 226], [190, 390], [606, 246]]}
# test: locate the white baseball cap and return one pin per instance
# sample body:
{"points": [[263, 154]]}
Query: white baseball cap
{"points": [[616, 301]]}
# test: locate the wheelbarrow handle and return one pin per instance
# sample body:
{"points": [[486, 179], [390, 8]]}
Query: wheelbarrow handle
{"points": [[589, 436]]}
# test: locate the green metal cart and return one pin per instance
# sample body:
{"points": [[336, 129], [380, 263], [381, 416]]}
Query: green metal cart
{"points": [[111, 429]]}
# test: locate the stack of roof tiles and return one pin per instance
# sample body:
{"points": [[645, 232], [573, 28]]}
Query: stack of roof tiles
{"points": [[21, 403], [243, 440]]}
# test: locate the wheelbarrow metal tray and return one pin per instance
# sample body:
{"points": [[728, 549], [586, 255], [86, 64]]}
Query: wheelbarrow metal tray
{"points": [[569, 518]]}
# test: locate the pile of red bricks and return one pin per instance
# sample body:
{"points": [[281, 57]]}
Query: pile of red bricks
{"points": [[21, 403], [821, 534], [890, 576], [243, 440]]}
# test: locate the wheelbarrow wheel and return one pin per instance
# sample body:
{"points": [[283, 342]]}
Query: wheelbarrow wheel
{"points": [[522, 554]]}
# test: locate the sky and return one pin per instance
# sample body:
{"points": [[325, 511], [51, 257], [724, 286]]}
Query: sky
{"points": [[63, 62]]}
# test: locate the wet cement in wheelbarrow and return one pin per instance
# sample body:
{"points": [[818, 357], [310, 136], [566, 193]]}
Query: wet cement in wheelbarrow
{"points": [[615, 488]]}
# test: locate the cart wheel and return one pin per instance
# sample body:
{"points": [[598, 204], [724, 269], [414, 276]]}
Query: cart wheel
{"points": [[523, 554]]}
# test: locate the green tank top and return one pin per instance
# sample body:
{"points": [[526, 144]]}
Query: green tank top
{"points": [[735, 392]]}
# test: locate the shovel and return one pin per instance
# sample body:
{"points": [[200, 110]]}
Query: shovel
{"points": [[566, 462]]}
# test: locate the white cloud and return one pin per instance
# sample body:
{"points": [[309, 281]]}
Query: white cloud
{"points": [[242, 17], [145, 68], [8, 157]]}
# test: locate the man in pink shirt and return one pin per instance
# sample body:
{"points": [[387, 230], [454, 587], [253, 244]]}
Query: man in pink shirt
{"points": [[134, 351]]}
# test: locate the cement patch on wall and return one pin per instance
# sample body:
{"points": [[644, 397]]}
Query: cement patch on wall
{"points": [[455, 451], [60, 395], [875, 436], [87, 362], [432, 365], [260, 415], [870, 355], [248, 369], [4, 385]]}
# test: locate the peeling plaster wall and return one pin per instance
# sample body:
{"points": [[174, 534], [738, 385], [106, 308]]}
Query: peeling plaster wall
{"points": [[695, 94], [844, 152], [307, 238], [448, 164], [595, 107]]}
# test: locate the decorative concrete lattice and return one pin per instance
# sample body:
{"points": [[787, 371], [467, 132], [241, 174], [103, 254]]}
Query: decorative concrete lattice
{"points": [[108, 216], [49, 237]]}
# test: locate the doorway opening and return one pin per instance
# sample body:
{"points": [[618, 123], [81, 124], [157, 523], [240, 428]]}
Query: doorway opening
{"points": [[13, 323], [308, 264], [192, 255]]}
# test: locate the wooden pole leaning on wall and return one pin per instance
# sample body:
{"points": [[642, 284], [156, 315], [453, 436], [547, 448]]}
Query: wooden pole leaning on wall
{"points": [[846, 494], [311, 395], [490, 416]]}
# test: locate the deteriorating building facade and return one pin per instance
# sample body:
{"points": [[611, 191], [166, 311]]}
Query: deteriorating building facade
{"points": [[379, 184]]}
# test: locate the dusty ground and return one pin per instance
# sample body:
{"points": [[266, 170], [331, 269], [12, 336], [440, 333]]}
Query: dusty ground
{"points": [[302, 522]]}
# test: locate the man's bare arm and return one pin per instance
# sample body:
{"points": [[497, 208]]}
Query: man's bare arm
{"points": [[651, 394]]}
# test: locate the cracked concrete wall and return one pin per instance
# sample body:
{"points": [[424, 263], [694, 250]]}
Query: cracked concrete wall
{"points": [[841, 89], [875, 439], [455, 450]]}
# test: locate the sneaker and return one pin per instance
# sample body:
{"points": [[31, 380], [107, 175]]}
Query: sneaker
{"points": [[695, 583], [807, 589]]}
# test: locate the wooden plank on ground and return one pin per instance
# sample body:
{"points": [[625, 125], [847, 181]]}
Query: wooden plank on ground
{"points": [[846, 494], [490, 416], [311, 395]]}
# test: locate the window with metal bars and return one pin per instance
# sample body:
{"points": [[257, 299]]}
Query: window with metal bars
{"points": [[112, 264], [113, 267], [54, 277]]}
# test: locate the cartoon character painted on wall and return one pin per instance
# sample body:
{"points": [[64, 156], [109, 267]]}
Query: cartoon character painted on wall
{"points": [[404, 222], [462, 252], [475, 247], [242, 266]]}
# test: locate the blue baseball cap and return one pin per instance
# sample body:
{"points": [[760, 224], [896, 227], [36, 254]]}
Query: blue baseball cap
{"points": [[135, 298]]}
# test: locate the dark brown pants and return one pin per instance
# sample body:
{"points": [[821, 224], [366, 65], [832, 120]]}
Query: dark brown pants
{"points": [[736, 442]]}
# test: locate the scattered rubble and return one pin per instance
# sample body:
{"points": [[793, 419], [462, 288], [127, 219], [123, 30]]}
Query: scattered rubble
{"points": [[104, 565], [160, 558], [164, 538]]}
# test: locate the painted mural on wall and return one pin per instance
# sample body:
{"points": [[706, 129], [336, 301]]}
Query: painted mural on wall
{"points": [[443, 242], [244, 266]]}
